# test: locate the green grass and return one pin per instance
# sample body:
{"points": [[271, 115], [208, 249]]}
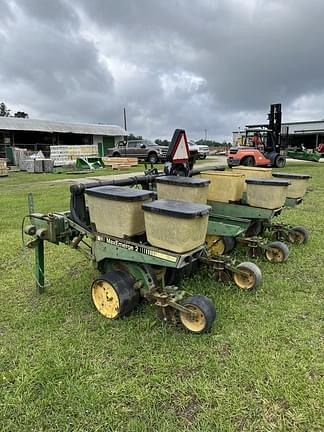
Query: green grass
{"points": [[65, 368], [23, 180]]}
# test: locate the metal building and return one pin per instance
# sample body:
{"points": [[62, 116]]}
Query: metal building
{"points": [[309, 133], [41, 134]]}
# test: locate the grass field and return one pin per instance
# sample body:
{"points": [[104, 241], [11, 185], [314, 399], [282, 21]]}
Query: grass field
{"points": [[65, 368]]}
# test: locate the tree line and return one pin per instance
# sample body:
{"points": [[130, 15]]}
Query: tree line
{"points": [[5, 112], [165, 142]]}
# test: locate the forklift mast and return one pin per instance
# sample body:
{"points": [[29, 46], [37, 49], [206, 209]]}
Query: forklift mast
{"points": [[274, 118]]}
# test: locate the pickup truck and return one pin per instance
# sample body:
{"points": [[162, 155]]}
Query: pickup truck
{"points": [[142, 149], [202, 150]]}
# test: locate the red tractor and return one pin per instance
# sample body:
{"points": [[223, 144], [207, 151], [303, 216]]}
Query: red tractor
{"points": [[265, 146]]}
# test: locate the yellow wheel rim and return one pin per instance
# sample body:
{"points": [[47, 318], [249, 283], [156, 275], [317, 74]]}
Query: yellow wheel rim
{"points": [[296, 237], [105, 299], [193, 322], [215, 245], [244, 281], [275, 255]]}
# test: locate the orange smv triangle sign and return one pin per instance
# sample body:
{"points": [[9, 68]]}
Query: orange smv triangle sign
{"points": [[181, 150]]}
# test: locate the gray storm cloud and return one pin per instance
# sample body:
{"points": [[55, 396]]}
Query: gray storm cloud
{"points": [[198, 64]]}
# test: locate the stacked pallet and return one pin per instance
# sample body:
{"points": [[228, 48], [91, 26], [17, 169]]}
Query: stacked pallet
{"points": [[3, 168], [67, 155], [120, 162], [35, 165], [20, 154]]}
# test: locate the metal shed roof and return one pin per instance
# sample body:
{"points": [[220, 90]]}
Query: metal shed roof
{"points": [[20, 124]]}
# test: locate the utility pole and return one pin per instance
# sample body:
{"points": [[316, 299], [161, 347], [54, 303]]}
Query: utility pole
{"points": [[125, 127], [125, 120], [205, 134]]}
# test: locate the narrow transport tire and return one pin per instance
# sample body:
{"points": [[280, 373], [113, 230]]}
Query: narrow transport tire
{"points": [[298, 235], [277, 252], [252, 277], [153, 158], [113, 294], [206, 314], [248, 161], [280, 161]]}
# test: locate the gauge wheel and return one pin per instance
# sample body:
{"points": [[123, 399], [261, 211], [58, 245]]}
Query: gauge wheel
{"points": [[250, 279], [113, 294], [174, 276], [203, 317], [229, 243], [153, 158], [298, 235], [277, 252], [254, 229], [218, 245], [248, 161], [215, 245]]}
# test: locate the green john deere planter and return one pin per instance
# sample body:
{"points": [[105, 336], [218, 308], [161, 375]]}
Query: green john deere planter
{"points": [[304, 155]]}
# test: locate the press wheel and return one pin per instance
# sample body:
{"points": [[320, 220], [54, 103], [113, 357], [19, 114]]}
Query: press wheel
{"points": [[298, 235], [113, 294], [251, 277], [277, 252], [203, 317]]}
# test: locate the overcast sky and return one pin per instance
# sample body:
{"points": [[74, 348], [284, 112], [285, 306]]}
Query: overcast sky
{"points": [[192, 64]]}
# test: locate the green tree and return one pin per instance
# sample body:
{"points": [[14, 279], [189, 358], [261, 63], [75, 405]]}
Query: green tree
{"points": [[4, 111], [160, 142], [21, 114], [134, 137], [209, 143]]}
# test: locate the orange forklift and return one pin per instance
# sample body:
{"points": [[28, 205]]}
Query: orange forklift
{"points": [[263, 146]]}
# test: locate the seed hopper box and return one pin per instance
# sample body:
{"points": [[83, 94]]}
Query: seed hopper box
{"points": [[298, 183], [117, 211], [269, 194], [179, 188], [224, 186], [176, 226]]}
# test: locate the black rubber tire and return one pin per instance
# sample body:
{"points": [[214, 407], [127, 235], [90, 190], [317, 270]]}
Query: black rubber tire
{"points": [[280, 161], [283, 252], [174, 276], [207, 309], [116, 154], [153, 158], [229, 243], [253, 270], [122, 284], [303, 232], [248, 161], [254, 229]]}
